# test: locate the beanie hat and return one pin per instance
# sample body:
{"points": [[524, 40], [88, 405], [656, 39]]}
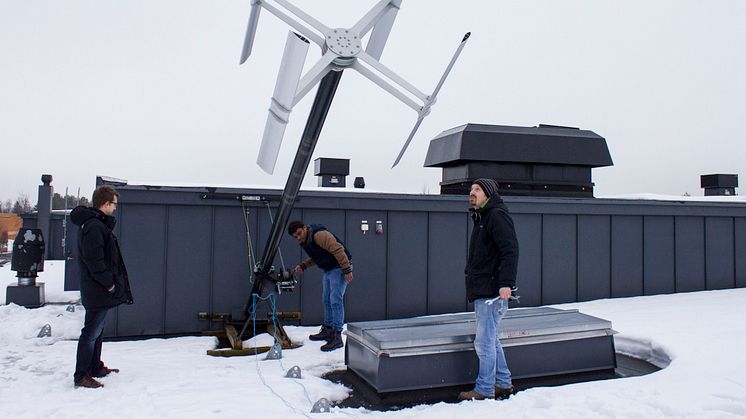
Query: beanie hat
{"points": [[489, 186]]}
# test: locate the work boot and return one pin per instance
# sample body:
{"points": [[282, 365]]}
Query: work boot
{"points": [[88, 382], [324, 334], [335, 342], [503, 393], [473, 395], [104, 371]]}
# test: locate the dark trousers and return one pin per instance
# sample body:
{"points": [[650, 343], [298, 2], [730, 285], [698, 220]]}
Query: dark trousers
{"points": [[89, 343]]}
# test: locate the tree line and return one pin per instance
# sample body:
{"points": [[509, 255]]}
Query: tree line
{"points": [[22, 204]]}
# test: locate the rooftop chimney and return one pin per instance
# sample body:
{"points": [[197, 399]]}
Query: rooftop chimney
{"points": [[719, 184], [332, 173]]}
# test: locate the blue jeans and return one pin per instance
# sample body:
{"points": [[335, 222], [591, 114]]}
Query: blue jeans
{"points": [[493, 368], [89, 344], [332, 295]]}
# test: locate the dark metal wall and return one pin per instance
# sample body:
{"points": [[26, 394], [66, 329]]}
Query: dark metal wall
{"points": [[186, 254]]}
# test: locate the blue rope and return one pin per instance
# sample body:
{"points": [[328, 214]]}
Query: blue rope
{"points": [[254, 298]]}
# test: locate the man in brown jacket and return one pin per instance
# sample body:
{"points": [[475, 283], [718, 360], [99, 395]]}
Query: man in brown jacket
{"points": [[327, 252]]}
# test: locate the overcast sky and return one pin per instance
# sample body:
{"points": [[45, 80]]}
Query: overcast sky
{"points": [[151, 90]]}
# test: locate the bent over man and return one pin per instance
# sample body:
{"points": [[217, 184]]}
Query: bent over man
{"points": [[491, 270], [327, 252], [103, 281]]}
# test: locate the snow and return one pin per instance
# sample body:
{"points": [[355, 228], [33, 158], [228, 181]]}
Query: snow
{"points": [[698, 338], [677, 198]]}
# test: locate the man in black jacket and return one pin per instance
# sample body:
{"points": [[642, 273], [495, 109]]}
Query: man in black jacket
{"points": [[491, 270], [103, 281], [327, 252]]}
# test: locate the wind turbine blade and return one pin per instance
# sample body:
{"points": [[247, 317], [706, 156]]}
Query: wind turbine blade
{"points": [[409, 140], [248, 41], [431, 99], [381, 31], [450, 66], [291, 68]]}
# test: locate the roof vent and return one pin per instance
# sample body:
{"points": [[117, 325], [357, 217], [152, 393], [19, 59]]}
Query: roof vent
{"points": [[547, 160]]}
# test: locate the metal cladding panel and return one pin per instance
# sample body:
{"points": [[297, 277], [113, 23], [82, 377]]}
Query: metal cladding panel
{"points": [[559, 248], [690, 253], [446, 291], [230, 255], [528, 231], [188, 268], [72, 270], [56, 235], [740, 251], [626, 256], [406, 287], [366, 296], [143, 241], [719, 253], [310, 283], [716, 248], [659, 255], [288, 253], [594, 257]]}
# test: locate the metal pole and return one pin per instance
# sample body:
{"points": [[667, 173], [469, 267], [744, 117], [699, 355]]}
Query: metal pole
{"points": [[321, 104]]}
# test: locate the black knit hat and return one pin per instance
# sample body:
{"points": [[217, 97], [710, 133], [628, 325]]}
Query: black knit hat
{"points": [[489, 186]]}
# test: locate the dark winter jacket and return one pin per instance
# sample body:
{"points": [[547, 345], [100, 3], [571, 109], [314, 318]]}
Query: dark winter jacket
{"points": [[325, 250], [100, 260], [493, 251]]}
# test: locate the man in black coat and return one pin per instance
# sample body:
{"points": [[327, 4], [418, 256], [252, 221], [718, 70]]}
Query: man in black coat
{"points": [[491, 270], [103, 281]]}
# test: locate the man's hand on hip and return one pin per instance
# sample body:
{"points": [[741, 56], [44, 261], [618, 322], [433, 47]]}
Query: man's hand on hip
{"points": [[348, 277], [505, 293]]}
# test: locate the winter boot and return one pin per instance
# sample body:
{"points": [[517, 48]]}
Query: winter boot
{"points": [[335, 342], [104, 371], [503, 393], [88, 382], [473, 395], [324, 334]]}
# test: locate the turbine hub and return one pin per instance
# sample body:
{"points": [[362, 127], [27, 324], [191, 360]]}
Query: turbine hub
{"points": [[343, 42]]}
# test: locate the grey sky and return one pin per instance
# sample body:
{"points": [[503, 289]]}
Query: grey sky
{"points": [[152, 90]]}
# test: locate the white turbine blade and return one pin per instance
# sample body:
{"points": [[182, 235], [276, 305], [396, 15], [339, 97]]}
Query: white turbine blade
{"points": [[409, 140], [291, 67], [381, 30], [274, 130], [248, 41], [450, 66], [431, 99]]}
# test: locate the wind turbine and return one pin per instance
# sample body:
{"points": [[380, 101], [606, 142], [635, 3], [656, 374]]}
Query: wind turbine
{"points": [[340, 49]]}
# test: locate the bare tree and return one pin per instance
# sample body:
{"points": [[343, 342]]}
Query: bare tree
{"points": [[22, 204]]}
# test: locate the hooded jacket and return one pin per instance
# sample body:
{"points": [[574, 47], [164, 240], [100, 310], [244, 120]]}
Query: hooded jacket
{"points": [[493, 251], [100, 260]]}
